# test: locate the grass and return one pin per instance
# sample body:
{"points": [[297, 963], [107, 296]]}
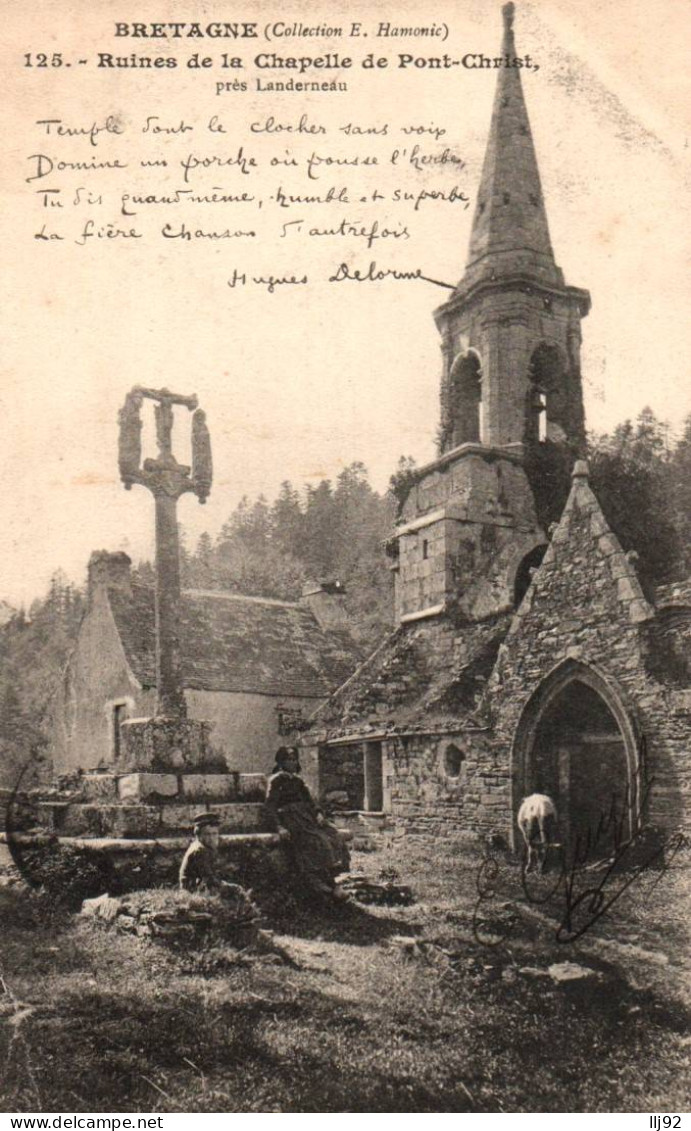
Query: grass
{"points": [[357, 1022]]}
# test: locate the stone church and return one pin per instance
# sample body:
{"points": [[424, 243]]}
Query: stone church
{"points": [[526, 656]]}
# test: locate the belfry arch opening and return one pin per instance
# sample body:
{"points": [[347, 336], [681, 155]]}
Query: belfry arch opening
{"points": [[466, 400], [576, 743], [545, 374]]}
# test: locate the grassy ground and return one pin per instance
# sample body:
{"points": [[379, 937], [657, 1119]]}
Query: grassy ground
{"points": [[378, 1010]]}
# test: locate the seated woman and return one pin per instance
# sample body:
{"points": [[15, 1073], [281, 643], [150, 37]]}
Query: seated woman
{"points": [[315, 848]]}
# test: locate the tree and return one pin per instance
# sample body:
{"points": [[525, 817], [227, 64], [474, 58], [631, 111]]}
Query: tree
{"points": [[287, 521], [402, 481], [632, 474], [33, 654], [680, 493]]}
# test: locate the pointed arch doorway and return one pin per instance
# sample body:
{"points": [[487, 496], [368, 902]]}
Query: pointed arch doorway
{"points": [[577, 742]]}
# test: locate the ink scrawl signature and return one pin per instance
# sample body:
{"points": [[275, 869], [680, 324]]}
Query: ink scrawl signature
{"points": [[604, 863]]}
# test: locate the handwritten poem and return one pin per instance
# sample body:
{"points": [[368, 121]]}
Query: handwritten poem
{"points": [[358, 186]]}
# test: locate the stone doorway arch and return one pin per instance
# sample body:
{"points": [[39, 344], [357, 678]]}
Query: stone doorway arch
{"points": [[577, 741]]}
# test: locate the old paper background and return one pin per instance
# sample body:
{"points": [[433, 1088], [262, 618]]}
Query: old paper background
{"points": [[299, 383]]}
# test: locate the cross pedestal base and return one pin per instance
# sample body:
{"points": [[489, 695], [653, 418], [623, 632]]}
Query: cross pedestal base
{"points": [[165, 745]]}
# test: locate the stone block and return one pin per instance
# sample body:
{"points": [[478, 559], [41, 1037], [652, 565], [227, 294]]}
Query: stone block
{"points": [[235, 817], [638, 612], [625, 590], [49, 814], [681, 701], [144, 787], [608, 544], [131, 820], [180, 817], [241, 817], [599, 526], [210, 787], [164, 744], [99, 787], [549, 556], [74, 819]]}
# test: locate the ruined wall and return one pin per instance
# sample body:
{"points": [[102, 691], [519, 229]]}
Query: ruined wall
{"points": [[464, 526], [586, 606]]}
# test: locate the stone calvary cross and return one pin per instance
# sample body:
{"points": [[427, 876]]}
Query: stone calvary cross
{"points": [[167, 480]]}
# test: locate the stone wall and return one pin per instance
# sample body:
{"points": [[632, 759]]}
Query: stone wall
{"points": [[437, 795]]}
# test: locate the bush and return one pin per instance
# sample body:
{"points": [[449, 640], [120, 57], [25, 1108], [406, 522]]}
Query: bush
{"points": [[66, 875]]}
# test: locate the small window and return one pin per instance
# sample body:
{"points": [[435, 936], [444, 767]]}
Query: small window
{"points": [[425, 549], [290, 720], [453, 761]]}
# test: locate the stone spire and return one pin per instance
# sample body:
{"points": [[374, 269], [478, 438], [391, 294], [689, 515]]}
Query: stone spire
{"points": [[510, 234]]}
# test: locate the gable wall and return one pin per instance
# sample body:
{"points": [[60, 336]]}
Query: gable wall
{"points": [[585, 604], [97, 677]]}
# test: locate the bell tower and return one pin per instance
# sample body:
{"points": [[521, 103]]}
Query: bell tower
{"points": [[472, 523], [511, 330]]}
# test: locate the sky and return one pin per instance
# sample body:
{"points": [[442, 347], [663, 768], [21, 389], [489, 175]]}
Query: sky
{"points": [[299, 383]]}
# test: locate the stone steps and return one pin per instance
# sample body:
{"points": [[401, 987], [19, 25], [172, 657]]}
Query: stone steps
{"points": [[150, 820], [144, 787]]}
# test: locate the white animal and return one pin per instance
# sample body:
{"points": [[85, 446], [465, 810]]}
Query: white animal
{"points": [[537, 816]]}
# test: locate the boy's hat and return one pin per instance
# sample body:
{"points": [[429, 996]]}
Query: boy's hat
{"points": [[206, 820]]}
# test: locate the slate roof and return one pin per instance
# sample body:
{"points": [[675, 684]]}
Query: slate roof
{"points": [[425, 676], [234, 643]]}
